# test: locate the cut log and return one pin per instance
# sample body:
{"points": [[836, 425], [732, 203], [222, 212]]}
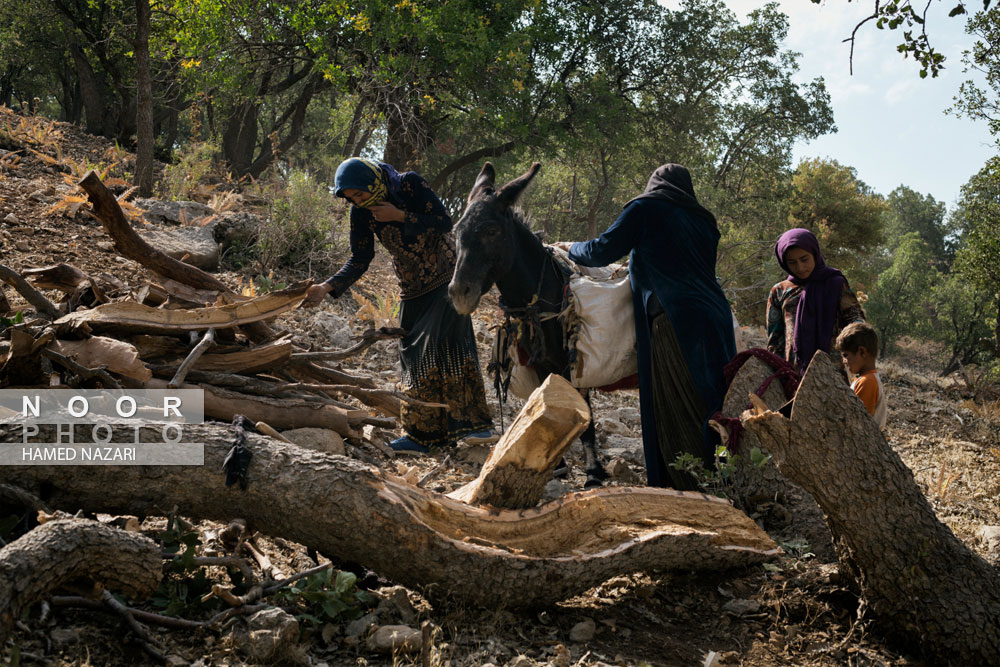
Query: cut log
{"points": [[521, 463], [924, 587], [63, 550], [755, 488], [281, 413], [150, 294], [117, 356], [63, 277], [128, 317], [353, 512]]}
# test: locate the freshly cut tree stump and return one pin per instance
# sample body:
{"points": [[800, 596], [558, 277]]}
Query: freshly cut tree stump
{"points": [[923, 586], [66, 549], [521, 463], [755, 486], [352, 511]]}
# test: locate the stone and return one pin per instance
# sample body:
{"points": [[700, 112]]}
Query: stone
{"points": [[236, 229], [624, 447], [554, 488], [173, 212], [629, 415], [10, 219], [476, 454], [174, 660], [561, 657], [319, 439], [583, 631], [393, 638], [396, 601], [196, 243], [360, 626], [740, 607], [63, 637], [609, 426], [336, 328], [620, 471], [274, 636], [23, 246], [990, 538]]}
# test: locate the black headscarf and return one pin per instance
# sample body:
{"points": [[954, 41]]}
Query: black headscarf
{"points": [[672, 182]]}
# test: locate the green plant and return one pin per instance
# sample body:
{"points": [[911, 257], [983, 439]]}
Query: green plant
{"points": [[326, 596], [300, 231], [719, 480], [182, 180], [184, 584], [6, 322]]}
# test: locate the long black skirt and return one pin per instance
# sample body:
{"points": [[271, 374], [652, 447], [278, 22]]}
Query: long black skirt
{"points": [[440, 365]]}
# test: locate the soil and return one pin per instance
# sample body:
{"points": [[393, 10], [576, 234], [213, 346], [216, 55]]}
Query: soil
{"points": [[795, 611]]}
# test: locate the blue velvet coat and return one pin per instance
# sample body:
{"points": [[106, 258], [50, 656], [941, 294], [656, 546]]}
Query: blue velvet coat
{"points": [[672, 254]]}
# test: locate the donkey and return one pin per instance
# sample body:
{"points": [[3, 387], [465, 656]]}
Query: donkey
{"points": [[495, 246]]}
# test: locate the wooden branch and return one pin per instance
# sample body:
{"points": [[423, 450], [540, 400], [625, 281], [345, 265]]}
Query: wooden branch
{"points": [[98, 351], [129, 317], [63, 277], [206, 342], [246, 360], [306, 370], [138, 614], [37, 300], [368, 338], [417, 537], [129, 244], [146, 640], [59, 551], [87, 373]]}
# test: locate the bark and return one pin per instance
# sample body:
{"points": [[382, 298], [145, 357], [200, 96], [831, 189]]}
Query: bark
{"points": [[922, 584], [354, 512], [63, 277], [115, 355], [42, 306], [128, 317], [475, 157], [756, 488], [144, 102], [240, 137], [521, 463], [60, 551], [249, 360], [93, 99]]}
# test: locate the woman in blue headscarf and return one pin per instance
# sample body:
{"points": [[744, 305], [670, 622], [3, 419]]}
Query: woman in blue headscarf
{"points": [[438, 354], [807, 310]]}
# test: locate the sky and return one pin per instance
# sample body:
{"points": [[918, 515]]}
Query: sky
{"points": [[891, 123]]}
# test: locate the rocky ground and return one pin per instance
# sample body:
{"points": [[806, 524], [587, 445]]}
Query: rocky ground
{"points": [[796, 611]]}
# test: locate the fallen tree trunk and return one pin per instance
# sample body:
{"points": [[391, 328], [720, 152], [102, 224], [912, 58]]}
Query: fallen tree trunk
{"points": [[521, 463], [920, 582], [60, 551], [419, 538]]}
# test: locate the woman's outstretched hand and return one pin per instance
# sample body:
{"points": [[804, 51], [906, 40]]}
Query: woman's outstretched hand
{"points": [[386, 212], [315, 294]]}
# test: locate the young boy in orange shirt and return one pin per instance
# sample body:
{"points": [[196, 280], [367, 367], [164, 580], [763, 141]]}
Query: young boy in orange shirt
{"points": [[858, 345]]}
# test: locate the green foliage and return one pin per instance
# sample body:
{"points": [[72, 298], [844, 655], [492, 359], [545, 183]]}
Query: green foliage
{"points": [[901, 301], [964, 314], [184, 583], [909, 211], [181, 180], [7, 322], [327, 596], [974, 100], [844, 213], [303, 227], [719, 480]]}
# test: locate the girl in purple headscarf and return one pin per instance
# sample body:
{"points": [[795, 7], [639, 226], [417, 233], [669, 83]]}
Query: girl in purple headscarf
{"points": [[807, 310]]}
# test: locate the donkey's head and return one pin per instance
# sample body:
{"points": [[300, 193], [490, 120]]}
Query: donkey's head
{"points": [[486, 237]]}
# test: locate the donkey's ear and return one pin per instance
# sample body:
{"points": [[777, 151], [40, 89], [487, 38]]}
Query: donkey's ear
{"points": [[540, 234], [484, 182], [509, 193]]}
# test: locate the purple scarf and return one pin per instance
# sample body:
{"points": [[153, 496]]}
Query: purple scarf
{"points": [[819, 303]]}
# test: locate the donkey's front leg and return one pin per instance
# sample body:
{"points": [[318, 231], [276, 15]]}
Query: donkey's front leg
{"points": [[595, 471]]}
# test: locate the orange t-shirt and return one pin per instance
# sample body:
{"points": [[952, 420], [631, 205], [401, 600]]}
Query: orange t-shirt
{"points": [[868, 387]]}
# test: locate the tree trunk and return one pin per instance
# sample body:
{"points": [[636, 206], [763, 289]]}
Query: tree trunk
{"points": [[93, 99], [61, 551], [240, 137], [354, 512], [144, 102], [920, 582], [521, 463]]}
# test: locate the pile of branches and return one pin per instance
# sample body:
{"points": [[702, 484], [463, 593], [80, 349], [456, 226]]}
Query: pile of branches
{"points": [[182, 329]]}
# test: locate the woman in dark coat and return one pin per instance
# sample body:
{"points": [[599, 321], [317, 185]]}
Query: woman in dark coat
{"points": [[438, 354], [683, 323]]}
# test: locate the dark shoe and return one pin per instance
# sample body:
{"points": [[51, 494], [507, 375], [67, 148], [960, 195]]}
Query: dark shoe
{"points": [[406, 445], [481, 438]]}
